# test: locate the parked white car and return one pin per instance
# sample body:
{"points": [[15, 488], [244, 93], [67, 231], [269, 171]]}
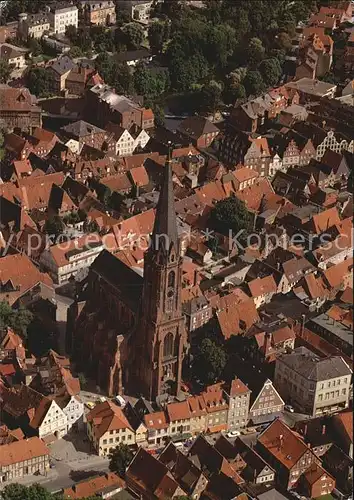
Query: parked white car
{"points": [[120, 401], [233, 434]]}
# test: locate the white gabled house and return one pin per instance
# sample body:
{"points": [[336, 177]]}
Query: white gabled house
{"points": [[73, 409], [49, 418]]}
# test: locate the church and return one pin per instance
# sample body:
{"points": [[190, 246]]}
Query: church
{"points": [[128, 331]]}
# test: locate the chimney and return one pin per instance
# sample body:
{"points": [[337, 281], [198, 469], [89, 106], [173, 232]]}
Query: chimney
{"points": [[304, 430], [323, 430], [281, 441]]}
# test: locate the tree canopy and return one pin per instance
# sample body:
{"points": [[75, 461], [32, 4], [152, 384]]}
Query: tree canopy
{"points": [[40, 82], [17, 491], [230, 214], [17, 319], [5, 71], [120, 458], [210, 361]]}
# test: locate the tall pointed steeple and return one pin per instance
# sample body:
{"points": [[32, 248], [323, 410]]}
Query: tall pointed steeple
{"points": [[165, 226]]}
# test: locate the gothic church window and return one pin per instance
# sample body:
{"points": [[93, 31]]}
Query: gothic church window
{"points": [[168, 345], [171, 279]]}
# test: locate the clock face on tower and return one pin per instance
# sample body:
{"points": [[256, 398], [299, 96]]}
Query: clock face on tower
{"points": [[170, 294]]}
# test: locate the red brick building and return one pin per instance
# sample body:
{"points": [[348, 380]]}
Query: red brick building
{"points": [[130, 330], [199, 130]]}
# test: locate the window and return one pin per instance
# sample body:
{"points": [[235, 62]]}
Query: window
{"points": [[168, 345], [171, 279]]}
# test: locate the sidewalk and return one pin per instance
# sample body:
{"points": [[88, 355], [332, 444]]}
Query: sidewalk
{"points": [[31, 479]]}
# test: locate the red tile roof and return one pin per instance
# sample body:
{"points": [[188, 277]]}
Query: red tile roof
{"points": [[139, 176], [253, 195], [35, 191], [314, 473], [280, 441], [60, 251], [93, 486], [237, 388], [231, 317], [196, 406], [156, 420], [105, 417], [178, 411], [22, 167], [262, 286], [326, 219], [19, 451], [335, 274], [345, 420], [19, 270], [244, 174]]}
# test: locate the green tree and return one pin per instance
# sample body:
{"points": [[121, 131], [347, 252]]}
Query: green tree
{"points": [[230, 214], [120, 458], [54, 227], [13, 8], [5, 71], [114, 73], [40, 82], [71, 32], [158, 34], [75, 51], [35, 46], [17, 319], [72, 218], [210, 361], [271, 71], [255, 51], [34, 492], [211, 96], [148, 83], [133, 34], [254, 83], [159, 115], [91, 226]]}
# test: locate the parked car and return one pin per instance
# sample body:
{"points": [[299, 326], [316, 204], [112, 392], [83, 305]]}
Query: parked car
{"points": [[90, 404], [120, 401], [233, 434], [289, 408]]}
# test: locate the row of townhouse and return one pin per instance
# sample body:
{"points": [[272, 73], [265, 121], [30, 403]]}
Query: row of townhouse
{"points": [[214, 410]]}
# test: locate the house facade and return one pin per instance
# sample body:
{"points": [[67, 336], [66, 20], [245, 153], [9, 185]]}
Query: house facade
{"points": [[286, 453], [49, 418], [267, 405], [62, 17], [33, 25], [315, 385], [19, 109], [74, 410], [98, 12], [107, 428], [239, 402], [22, 458]]}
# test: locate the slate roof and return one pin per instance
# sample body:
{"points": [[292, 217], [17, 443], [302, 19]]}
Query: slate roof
{"points": [[62, 65], [310, 366], [120, 276], [82, 129], [196, 126]]}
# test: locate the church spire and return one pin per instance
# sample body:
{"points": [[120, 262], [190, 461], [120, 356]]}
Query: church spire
{"points": [[165, 227]]}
